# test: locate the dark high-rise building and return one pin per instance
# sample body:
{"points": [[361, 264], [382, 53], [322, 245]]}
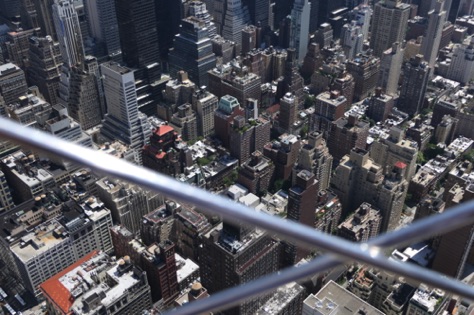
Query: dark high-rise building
{"points": [[301, 208], [168, 20], [192, 51], [231, 255], [365, 70], [380, 105], [346, 134], [259, 11], [138, 32], [248, 136], [256, 173], [45, 67], [227, 109], [415, 79], [288, 112], [284, 154], [84, 103], [455, 248], [10, 8], [102, 19], [17, 46], [44, 9]]}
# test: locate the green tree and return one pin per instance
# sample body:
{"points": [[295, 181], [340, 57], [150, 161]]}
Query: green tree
{"points": [[309, 101]]}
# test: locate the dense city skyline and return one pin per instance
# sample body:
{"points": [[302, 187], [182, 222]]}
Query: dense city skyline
{"points": [[353, 118]]}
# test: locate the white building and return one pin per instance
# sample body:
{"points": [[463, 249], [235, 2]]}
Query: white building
{"points": [[432, 39], [299, 32]]}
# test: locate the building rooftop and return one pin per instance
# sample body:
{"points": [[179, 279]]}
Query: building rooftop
{"points": [[281, 298], [184, 267], [333, 299]]}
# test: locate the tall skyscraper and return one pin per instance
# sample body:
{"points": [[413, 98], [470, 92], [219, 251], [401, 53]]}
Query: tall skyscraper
{"points": [[84, 103], [103, 27], [236, 16], [259, 11], [205, 104], [415, 79], [314, 156], [44, 9], [301, 208], [45, 67], [198, 9], [138, 32], [168, 21], [299, 32], [123, 121], [288, 112], [352, 39], [192, 51], [389, 24], [231, 255], [431, 40], [66, 22], [390, 67]]}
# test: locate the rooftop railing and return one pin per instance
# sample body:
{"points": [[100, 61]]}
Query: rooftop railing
{"points": [[339, 251]]}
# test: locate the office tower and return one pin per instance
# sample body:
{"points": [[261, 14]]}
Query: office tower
{"points": [[299, 32], [389, 24], [312, 61], [431, 40], [282, 9], [288, 112], [177, 92], [249, 254], [168, 21], [6, 201], [138, 32], [44, 9], [12, 83], [234, 79], [205, 104], [123, 121], [256, 173], [198, 9], [362, 225], [249, 39], [157, 226], [416, 73], [393, 149], [301, 208], [365, 70], [259, 11], [324, 35], [236, 16], [68, 30], [390, 67], [247, 137], [111, 286], [9, 9], [314, 156], [190, 225], [84, 104], [128, 203], [185, 123], [102, 20], [457, 245], [380, 105], [45, 67], [461, 67], [362, 14], [346, 134], [328, 107], [352, 39], [17, 45], [293, 81], [284, 154], [192, 51]]}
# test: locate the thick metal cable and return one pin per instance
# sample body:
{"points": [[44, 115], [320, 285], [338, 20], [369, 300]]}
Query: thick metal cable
{"points": [[228, 209], [435, 225]]}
